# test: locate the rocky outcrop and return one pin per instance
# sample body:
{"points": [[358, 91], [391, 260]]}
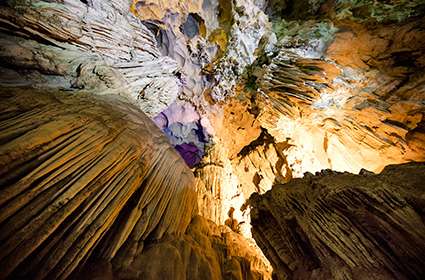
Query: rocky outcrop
{"points": [[345, 226], [89, 48], [335, 87], [250, 93], [340, 87]]}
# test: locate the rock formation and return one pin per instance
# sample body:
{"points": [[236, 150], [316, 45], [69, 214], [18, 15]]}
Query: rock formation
{"points": [[337, 86], [344, 226], [90, 182], [250, 93], [82, 177], [98, 46]]}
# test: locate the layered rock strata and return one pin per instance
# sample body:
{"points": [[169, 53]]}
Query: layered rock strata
{"points": [[98, 46]]}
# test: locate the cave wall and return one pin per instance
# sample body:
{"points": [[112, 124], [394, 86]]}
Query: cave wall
{"points": [[98, 46], [249, 94], [363, 96], [339, 86]]}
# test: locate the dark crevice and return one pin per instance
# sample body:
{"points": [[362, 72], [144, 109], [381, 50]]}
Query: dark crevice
{"points": [[163, 42], [193, 26], [311, 260], [87, 2], [396, 124], [264, 138]]}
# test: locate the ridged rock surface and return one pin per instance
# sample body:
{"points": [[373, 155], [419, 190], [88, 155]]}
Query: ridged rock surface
{"points": [[91, 189], [366, 96], [251, 92], [84, 177], [331, 94], [205, 251], [345, 226]]}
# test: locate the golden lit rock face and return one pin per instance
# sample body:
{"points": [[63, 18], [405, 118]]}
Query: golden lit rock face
{"points": [[361, 108], [235, 126], [82, 178], [90, 188], [339, 225]]}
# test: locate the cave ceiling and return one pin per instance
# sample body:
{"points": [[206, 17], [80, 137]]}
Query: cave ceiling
{"points": [[250, 93]]}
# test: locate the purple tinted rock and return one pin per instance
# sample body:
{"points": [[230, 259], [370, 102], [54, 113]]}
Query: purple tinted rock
{"points": [[190, 153], [181, 112], [161, 120], [200, 132]]}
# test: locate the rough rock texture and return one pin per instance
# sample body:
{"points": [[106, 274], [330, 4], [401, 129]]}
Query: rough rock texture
{"points": [[333, 91], [157, 10], [101, 48], [345, 226], [84, 177], [337, 86], [250, 92], [94, 45]]}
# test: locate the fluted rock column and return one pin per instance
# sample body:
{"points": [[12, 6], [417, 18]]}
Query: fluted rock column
{"points": [[83, 177]]}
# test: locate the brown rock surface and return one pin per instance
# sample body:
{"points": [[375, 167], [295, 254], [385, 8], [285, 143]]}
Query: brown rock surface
{"points": [[360, 105], [84, 177], [157, 9], [345, 226], [274, 90], [205, 251]]}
